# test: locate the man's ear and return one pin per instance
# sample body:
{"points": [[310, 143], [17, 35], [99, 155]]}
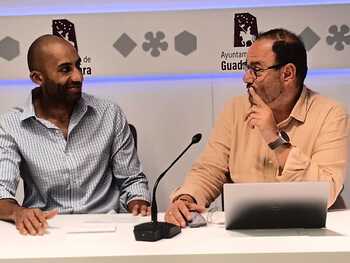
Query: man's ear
{"points": [[36, 77], [289, 72]]}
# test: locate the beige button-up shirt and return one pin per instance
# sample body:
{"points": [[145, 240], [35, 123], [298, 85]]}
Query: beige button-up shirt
{"points": [[318, 130]]}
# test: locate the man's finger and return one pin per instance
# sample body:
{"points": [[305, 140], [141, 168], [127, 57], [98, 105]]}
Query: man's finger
{"points": [[184, 209], [171, 219], [251, 120], [247, 115], [176, 219], [20, 227], [251, 111], [29, 227], [23, 231], [38, 227], [148, 210], [256, 98], [42, 220], [136, 209], [50, 214], [143, 210], [198, 208], [178, 216]]}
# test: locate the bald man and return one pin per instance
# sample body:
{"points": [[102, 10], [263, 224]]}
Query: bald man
{"points": [[74, 152]]}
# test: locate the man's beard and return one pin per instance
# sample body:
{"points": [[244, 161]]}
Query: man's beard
{"points": [[267, 99], [62, 93]]}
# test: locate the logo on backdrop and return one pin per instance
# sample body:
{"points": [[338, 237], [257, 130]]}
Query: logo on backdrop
{"points": [[244, 34], [245, 29], [65, 29]]}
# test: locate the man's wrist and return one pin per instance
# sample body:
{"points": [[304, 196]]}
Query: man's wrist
{"points": [[271, 136], [186, 198], [14, 208], [282, 139]]}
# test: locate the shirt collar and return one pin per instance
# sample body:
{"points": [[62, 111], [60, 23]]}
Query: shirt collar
{"points": [[29, 112], [300, 108], [28, 108]]}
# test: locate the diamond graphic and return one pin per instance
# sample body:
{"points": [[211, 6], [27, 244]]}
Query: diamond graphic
{"points": [[309, 37], [124, 45], [185, 43], [9, 48]]}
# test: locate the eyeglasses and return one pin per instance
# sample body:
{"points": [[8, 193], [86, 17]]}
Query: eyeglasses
{"points": [[257, 72]]}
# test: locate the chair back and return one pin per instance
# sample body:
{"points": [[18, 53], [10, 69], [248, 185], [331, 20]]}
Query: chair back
{"points": [[134, 133]]}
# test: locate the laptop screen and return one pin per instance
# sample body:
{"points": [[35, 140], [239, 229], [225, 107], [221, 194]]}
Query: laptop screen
{"points": [[276, 205]]}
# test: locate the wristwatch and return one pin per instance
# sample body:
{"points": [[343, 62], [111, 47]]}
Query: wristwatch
{"points": [[283, 139]]}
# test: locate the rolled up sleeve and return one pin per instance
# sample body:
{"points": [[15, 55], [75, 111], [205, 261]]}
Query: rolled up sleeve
{"points": [[9, 166], [127, 169]]}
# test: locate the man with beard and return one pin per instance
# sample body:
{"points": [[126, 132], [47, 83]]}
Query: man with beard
{"points": [[282, 131], [74, 152]]}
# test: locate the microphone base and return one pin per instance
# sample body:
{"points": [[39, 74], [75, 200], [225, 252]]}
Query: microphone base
{"points": [[153, 231]]}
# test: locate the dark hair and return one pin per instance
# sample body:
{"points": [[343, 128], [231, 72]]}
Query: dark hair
{"points": [[288, 48]]}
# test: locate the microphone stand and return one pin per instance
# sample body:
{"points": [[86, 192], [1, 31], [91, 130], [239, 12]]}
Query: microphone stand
{"points": [[155, 230]]}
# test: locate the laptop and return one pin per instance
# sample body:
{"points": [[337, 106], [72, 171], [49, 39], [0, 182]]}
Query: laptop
{"points": [[275, 205]]}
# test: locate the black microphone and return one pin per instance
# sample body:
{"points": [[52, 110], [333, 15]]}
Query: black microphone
{"points": [[153, 231]]}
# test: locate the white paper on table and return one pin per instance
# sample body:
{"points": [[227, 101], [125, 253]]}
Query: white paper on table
{"points": [[91, 228]]}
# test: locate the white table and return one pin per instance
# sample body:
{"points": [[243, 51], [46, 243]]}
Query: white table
{"points": [[207, 244]]}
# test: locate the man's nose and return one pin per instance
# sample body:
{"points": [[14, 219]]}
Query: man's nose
{"points": [[248, 77], [77, 75]]}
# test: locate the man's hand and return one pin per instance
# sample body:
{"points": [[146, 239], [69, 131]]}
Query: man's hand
{"points": [[261, 116], [32, 221], [179, 212], [139, 207]]}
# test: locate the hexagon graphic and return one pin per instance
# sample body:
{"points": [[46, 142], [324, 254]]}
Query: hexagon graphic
{"points": [[185, 43], [9, 48]]}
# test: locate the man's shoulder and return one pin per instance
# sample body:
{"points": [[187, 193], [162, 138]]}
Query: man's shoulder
{"points": [[323, 103], [12, 116], [100, 104], [240, 102], [234, 108]]}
